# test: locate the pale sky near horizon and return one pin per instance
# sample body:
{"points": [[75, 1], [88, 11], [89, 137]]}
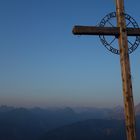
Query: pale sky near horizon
{"points": [[44, 64]]}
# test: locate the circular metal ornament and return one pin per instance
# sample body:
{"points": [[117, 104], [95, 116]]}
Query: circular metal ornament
{"points": [[109, 43]]}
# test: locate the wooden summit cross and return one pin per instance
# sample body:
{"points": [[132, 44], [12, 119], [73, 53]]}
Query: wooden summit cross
{"points": [[121, 32]]}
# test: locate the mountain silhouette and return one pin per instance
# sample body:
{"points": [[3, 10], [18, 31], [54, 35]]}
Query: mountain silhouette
{"points": [[36, 123], [91, 130]]}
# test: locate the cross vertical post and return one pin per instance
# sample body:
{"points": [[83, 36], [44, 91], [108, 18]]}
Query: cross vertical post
{"points": [[126, 72], [121, 32]]}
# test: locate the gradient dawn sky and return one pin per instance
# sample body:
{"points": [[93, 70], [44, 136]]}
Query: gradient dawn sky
{"points": [[43, 64]]}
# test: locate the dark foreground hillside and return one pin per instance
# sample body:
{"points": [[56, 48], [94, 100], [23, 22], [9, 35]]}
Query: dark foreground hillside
{"points": [[91, 130]]}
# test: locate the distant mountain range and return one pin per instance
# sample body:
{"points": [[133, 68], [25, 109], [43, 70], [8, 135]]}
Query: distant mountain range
{"points": [[36, 123], [137, 109]]}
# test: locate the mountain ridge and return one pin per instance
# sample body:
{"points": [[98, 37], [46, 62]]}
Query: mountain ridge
{"points": [[22, 123]]}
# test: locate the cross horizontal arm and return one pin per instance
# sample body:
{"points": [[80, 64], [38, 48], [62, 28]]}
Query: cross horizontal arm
{"points": [[93, 30]]}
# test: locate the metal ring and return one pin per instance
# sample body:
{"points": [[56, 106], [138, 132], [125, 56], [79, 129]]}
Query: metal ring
{"points": [[132, 46]]}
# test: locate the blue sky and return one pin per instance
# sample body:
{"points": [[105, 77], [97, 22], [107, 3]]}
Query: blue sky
{"points": [[44, 64]]}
